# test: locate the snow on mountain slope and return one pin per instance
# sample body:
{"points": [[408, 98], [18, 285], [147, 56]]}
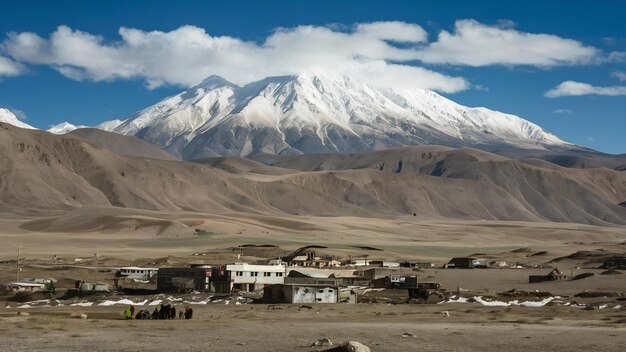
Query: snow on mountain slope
{"points": [[313, 113], [9, 117], [108, 125], [64, 127]]}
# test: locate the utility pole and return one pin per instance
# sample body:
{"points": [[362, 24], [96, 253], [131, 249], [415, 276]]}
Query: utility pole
{"points": [[18, 263]]}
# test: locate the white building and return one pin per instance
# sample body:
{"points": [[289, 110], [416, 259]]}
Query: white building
{"points": [[136, 273], [26, 287], [32, 285], [301, 293], [251, 277]]}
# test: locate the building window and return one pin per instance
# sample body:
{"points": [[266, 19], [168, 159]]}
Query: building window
{"points": [[239, 273], [279, 274], [254, 273], [267, 274]]}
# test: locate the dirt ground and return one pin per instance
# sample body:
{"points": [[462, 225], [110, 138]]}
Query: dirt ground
{"points": [[255, 327], [292, 328]]}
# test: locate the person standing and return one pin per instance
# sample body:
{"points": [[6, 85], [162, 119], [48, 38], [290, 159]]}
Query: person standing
{"points": [[172, 313], [127, 313]]}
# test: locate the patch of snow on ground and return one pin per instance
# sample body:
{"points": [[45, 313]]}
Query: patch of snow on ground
{"points": [[490, 303], [123, 301]]}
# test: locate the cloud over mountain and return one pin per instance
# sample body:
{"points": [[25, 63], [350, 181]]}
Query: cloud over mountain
{"points": [[379, 53], [477, 44]]}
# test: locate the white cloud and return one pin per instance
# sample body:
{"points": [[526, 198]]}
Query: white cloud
{"points": [[616, 56], [620, 75], [563, 111], [381, 53], [397, 31], [188, 54], [476, 44], [9, 68], [571, 88]]}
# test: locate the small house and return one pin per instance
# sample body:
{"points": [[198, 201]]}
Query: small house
{"points": [[93, 287], [554, 275], [184, 279], [247, 277], [32, 285], [466, 263], [137, 273], [385, 264], [300, 293], [26, 287], [423, 290], [377, 273]]}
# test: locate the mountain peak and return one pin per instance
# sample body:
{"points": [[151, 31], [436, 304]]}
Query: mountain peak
{"points": [[214, 82], [64, 127], [7, 116], [318, 113]]}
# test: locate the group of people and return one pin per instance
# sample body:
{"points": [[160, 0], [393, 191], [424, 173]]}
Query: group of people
{"points": [[166, 312]]}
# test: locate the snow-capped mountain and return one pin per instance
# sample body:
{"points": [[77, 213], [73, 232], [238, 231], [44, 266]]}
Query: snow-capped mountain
{"points": [[64, 127], [313, 113], [9, 117]]}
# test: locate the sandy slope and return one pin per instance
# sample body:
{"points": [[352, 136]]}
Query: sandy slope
{"points": [[121, 144], [44, 173]]}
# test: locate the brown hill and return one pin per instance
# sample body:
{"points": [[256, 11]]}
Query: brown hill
{"points": [[45, 173], [120, 144]]}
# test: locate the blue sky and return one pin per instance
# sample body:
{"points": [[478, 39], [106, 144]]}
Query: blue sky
{"points": [[90, 72]]}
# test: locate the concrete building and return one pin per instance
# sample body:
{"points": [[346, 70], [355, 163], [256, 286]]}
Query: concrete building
{"points": [[359, 262], [300, 293], [377, 273], [309, 259], [466, 263], [32, 285], [385, 264], [248, 277], [184, 279], [93, 287], [26, 287], [137, 273], [251, 277]]}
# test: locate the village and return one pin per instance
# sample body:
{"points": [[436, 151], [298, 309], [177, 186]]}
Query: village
{"points": [[304, 276], [357, 298]]}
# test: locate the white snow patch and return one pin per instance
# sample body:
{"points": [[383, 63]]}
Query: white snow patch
{"points": [[123, 301], [491, 303]]}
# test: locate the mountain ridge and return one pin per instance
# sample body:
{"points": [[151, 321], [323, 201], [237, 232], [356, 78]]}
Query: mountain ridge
{"points": [[50, 173], [312, 113], [7, 116]]}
